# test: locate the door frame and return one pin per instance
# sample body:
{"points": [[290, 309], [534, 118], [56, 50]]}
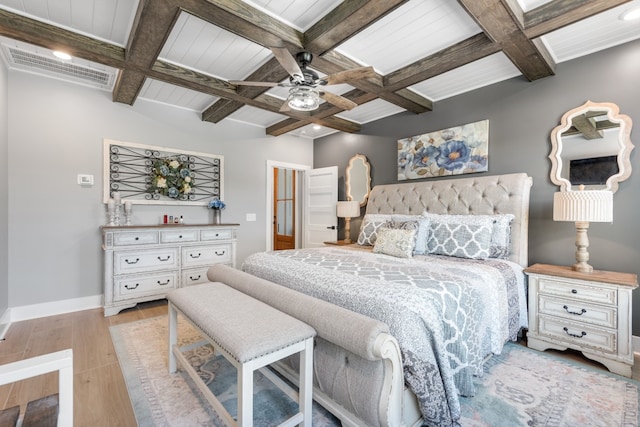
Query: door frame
{"points": [[271, 165]]}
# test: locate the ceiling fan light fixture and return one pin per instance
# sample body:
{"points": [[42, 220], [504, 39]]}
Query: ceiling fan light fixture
{"points": [[303, 98]]}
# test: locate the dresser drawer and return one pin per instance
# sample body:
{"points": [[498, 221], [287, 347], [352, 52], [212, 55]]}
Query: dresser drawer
{"points": [[215, 234], [194, 276], [135, 238], [142, 261], [578, 291], [579, 335], [175, 236], [142, 285], [576, 310], [206, 255]]}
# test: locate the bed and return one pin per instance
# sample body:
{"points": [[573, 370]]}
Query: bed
{"points": [[443, 306]]}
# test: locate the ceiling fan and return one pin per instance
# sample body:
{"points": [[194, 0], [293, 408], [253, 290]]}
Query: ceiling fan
{"points": [[304, 94]]}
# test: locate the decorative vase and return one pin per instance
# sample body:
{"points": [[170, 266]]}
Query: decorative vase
{"points": [[217, 216]]}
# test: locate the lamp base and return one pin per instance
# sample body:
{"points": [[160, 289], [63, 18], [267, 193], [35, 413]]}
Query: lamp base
{"points": [[347, 230], [582, 243]]}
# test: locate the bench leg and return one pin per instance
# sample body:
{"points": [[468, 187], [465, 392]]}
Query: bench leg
{"points": [[305, 391], [173, 337], [245, 396]]}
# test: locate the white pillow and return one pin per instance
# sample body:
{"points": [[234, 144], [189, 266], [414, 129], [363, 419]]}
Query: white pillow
{"points": [[396, 242]]}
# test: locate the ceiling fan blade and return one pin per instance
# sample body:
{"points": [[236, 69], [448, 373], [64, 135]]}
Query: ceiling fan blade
{"points": [[285, 107], [288, 62], [349, 75], [338, 101], [247, 83]]}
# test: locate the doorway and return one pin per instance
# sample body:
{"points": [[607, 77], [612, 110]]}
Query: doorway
{"points": [[284, 212]]}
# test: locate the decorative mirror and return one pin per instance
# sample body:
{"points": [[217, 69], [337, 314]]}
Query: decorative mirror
{"points": [[591, 147], [358, 179]]}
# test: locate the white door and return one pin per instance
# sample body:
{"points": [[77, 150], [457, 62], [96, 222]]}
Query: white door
{"points": [[320, 198]]}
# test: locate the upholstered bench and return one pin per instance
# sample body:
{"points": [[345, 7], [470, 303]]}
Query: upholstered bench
{"points": [[250, 335]]}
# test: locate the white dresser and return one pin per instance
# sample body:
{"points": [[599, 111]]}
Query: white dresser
{"points": [[588, 312], [143, 263]]}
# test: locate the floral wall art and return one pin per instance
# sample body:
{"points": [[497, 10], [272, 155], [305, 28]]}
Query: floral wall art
{"points": [[146, 174], [454, 151]]}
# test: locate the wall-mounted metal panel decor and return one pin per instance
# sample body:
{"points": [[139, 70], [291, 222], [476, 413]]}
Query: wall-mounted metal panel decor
{"points": [[145, 174], [454, 151]]}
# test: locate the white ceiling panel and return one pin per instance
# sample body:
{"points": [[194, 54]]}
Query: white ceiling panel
{"points": [[414, 30], [166, 93], [591, 35], [370, 111], [211, 50], [256, 116], [105, 20], [300, 15], [486, 71]]}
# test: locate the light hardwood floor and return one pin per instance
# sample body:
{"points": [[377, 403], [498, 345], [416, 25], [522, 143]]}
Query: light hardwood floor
{"points": [[100, 394]]}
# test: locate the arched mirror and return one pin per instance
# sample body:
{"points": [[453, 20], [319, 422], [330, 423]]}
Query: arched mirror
{"points": [[591, 147], [358, 179]]}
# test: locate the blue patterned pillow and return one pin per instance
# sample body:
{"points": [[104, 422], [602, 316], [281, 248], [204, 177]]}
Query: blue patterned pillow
{"points": [[469, 239], [396, 242], [371, 223]]}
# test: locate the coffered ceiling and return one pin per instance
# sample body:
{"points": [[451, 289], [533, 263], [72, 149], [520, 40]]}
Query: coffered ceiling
{"points": [[186, 52]]}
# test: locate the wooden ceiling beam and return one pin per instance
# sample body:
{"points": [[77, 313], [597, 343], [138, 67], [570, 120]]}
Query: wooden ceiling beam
{"points": [[560, 13], [346, 20]]}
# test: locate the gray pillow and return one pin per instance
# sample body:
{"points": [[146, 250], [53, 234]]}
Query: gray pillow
{"points": [[395, 242], [371, 223], [462, 236]]}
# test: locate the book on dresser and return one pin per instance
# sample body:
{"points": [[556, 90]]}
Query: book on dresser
{"points": [[143, 263]]}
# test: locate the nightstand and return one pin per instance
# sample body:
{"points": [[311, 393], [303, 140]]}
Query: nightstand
{"points": [[339, 243], [588, 312]]}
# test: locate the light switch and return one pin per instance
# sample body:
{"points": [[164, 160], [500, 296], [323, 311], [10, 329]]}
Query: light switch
{"points": [[251, 217], [85, 179]]}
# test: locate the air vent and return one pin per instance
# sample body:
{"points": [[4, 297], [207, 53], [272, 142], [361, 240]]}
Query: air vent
{"points": [[52, 66]]}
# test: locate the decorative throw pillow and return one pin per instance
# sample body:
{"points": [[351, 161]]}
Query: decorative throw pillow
{"points": [[395, 242], [371, 223], [462, 236], [422, 233], [500, 229]]}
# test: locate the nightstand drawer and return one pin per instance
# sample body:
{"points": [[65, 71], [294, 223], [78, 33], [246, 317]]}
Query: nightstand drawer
{"points": [[194, 276], [215, 234], [578, 291], [142, 261], [206, 255], [581, 335], [136, 286], [135, 238], [175, 236], [578, 311]]}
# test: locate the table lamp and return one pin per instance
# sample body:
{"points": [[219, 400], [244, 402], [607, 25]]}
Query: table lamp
{"points": [[348, 210], [583, 207]]}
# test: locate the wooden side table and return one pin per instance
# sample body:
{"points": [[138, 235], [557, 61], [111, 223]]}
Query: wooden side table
{"points": [[588, 312], [339, 243]]}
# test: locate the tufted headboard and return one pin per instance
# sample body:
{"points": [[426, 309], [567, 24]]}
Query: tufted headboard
{"points": [[498, 194]]}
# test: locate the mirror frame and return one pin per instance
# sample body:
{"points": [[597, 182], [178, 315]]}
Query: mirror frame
{"points": [[624, 143], [348, 178]]}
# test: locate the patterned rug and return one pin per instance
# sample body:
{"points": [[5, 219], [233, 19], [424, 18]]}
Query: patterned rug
{"points": [[521, 387]]}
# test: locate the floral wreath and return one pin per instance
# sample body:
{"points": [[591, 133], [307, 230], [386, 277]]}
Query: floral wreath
{"points": [[171, 177]]}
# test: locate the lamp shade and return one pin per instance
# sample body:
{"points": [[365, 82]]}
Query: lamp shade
{"points": [[583, 206], [350, 209]]}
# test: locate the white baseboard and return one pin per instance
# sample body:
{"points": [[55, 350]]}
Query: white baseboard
{"points": [[635, 344], [5, 322], [34, 311]]}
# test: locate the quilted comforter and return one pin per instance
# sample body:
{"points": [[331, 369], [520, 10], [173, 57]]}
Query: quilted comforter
{"points": [[446, 313]]}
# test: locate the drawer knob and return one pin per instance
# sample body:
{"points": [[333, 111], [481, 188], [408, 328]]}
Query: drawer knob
{"points": [[220, 253], [137, 238], [165, 283], [195, 278], [577, 313], [131, 262], [180, 236], [566, 330], [164, 259], [195, 256], [132, 287], [574, 291]]}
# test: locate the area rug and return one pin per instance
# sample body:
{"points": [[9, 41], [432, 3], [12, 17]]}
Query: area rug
{"points": [[520, 387]]}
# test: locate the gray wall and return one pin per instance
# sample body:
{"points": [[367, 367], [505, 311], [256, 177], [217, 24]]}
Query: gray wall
{"points": [[522, 115], [4, 189], [56, 131]]}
